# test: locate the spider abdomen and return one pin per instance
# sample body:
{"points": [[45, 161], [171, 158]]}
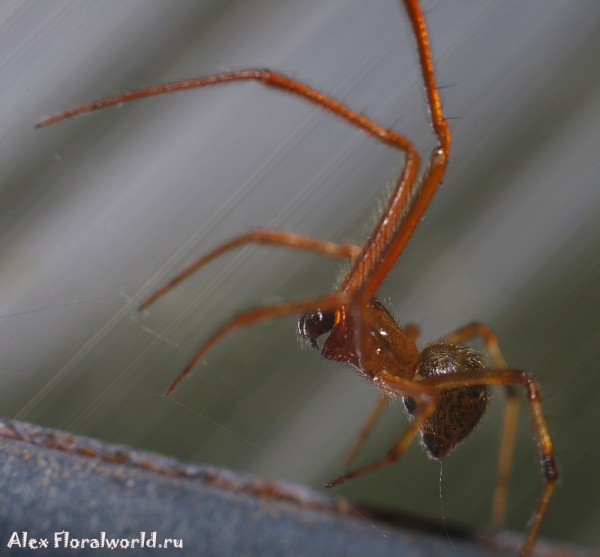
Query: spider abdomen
{"points": [[460, 409]]}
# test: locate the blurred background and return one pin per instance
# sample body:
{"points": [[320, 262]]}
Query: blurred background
{"points": [[97, 212]]}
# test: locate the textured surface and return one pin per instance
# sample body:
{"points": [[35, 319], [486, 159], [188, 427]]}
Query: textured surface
{"points": [[210, 511], [213, 512]]}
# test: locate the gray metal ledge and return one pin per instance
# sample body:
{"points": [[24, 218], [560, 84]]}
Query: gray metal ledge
{"points": [[54, 482]]}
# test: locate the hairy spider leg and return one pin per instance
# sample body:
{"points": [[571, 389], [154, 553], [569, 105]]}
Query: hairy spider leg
{"points": [[245, 318], [259, 236], [367, 427], [509, 429]]}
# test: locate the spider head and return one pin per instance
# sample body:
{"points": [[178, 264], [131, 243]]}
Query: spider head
{"points": [[312, 325]]}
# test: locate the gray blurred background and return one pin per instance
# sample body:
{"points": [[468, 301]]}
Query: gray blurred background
{"points": [[97, 212]]}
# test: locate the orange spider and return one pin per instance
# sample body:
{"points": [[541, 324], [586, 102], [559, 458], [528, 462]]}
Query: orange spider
{"points": [[445, 387]]}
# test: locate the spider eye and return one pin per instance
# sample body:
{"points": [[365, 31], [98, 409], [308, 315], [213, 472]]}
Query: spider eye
{"points": [[312, 325]]}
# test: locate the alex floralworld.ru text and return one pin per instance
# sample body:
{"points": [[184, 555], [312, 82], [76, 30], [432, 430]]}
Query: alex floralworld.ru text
{"points": [[64, 539]]}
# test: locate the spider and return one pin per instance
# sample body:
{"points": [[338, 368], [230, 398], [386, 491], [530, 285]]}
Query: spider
{"points": [[444, 387]]}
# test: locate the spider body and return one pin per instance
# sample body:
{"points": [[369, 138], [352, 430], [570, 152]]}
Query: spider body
{"points": [[458, 410], [445, 388], [392, 351]]}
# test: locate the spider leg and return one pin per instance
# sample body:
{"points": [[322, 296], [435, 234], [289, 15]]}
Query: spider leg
{"points": [[428, 399], [505, 458], [255, 315], [259, 236], [544, 443], [365, 430], [509, 430], [265, 77], [485, 334], [407, 204]]}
